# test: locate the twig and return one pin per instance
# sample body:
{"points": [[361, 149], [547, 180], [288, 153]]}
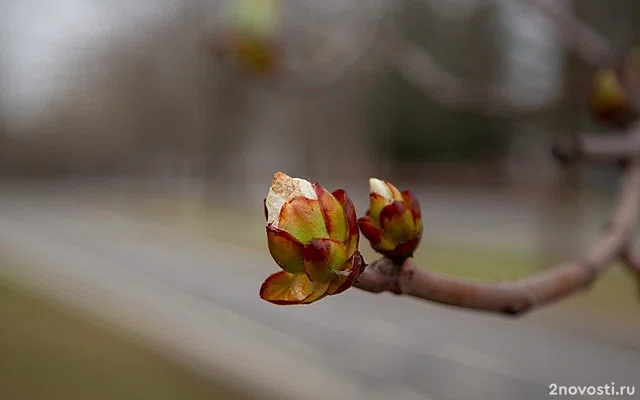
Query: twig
{"points": [[305, 78], [422, 71], [515, 297], [630, 260], [632, 263], [591, 46], [597, 148]]}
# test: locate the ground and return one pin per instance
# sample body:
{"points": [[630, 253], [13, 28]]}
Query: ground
{"points": [[50, 353]]}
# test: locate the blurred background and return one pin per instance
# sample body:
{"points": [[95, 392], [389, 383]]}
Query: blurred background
{"points": [[134, 158]]}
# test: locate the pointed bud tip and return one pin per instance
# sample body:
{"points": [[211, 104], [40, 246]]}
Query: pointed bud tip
{"points": [[284, 188], [380, 187]]}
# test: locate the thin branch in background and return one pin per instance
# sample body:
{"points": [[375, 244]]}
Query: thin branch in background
{"points": [[597, 148], [632, 263], [515, 297], [609, 148], [590, 45], [297, 77], [422, 71], [575, 35], [414, 63]]}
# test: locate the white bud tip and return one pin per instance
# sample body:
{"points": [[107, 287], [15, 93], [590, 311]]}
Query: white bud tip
{"points": [[380, 187], [283, 188]]}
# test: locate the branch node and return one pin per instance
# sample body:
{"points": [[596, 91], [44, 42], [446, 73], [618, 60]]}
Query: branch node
{"points": [[520, 296], [515, 312], [567, 149]]}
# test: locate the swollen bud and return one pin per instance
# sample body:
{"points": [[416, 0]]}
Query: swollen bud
{"points": [[313, 236], [250, 42], [608, 101], [393, 224]]}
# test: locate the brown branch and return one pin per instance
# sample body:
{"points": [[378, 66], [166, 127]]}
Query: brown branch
{"points": [[632, 263], [610, 147], [597, 148], [515, 297], [575, 35], [630, 260]]}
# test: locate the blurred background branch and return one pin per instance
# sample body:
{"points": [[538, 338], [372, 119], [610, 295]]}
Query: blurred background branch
{"points": [[576, 35]]}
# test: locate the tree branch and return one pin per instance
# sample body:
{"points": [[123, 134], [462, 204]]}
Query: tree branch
{"points": [[515, 297], [632, 263], [331, 62], [576, 36], [422, 71], [597, 148]]}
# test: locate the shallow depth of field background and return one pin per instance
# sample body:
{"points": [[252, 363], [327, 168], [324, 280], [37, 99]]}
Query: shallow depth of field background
{"points": [[120, 109]]}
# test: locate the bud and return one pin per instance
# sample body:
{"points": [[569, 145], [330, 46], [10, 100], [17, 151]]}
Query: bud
{"points": [[250, 43], [608, 102], [313, 236], [393, 223]]}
